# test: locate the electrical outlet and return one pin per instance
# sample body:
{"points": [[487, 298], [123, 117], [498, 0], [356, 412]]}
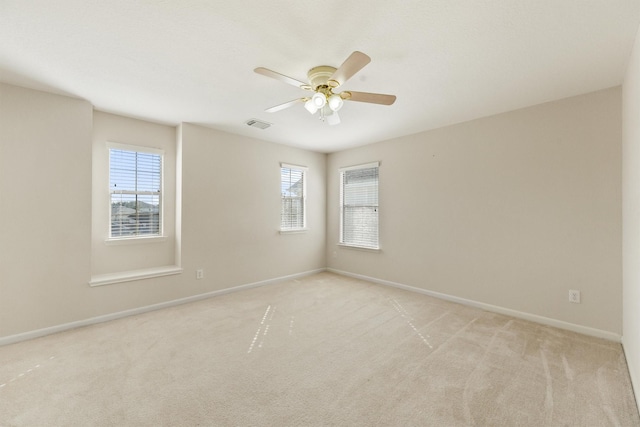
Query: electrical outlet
{"points": [[200, 274], [574, 296]]}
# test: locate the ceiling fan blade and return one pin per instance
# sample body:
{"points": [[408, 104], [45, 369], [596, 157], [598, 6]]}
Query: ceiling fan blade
{"points": [[354, 63], [285, 105], [282, 77], [373, 98]]}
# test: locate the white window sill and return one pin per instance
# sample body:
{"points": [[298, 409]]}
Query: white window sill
{"points": [[361, 248], [294, 231], [135, 240], [128, 276]]}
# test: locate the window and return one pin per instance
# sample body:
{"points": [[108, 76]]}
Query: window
{"points": [[293, 193], [359, 206], [135, 188]]}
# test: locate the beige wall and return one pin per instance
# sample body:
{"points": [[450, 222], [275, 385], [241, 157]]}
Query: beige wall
{"points": [[230, 190], [231, 209], [511, 210], [45, 209], [631, 214]]}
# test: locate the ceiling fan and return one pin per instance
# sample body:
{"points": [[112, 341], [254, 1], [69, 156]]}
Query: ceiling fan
{"points": [[323, 80]]}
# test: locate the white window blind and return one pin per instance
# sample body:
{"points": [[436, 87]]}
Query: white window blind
{"points": [[135, 184], [359, 206], [293, 195]]}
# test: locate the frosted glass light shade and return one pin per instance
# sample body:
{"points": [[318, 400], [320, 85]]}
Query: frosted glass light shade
{"points": [[333, 118], [310, 106], [319, 100], [335, 102]]}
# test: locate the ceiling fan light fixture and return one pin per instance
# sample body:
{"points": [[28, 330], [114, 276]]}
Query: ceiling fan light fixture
{"points": [[311, 108], [319, 100], [335, 102], [323, 80]]}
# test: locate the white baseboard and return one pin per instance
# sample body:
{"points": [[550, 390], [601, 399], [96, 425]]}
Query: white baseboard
{"points": [[493, 308], [488, 307], [118, 315], [635, 385]]}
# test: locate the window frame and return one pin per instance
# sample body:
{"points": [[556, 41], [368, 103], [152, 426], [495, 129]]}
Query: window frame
{"points": [[160, 236], [341, 240], [304, 170]]}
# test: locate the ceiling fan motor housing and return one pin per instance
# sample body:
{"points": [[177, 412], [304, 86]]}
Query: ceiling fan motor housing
{"points": [[319, 76]]}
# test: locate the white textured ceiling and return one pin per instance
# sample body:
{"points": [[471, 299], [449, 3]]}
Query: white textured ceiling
{"points": [[447, 61]]}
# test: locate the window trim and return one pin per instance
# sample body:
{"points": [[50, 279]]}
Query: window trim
{"points": [[137, 238], [305, 174], [360, 248], [341, 242]]}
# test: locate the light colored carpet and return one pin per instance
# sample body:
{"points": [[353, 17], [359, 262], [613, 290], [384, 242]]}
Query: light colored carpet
{"points": [[320, 351]]}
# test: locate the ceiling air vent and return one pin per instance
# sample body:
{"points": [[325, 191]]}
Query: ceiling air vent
{"points": [[257, 124]]}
